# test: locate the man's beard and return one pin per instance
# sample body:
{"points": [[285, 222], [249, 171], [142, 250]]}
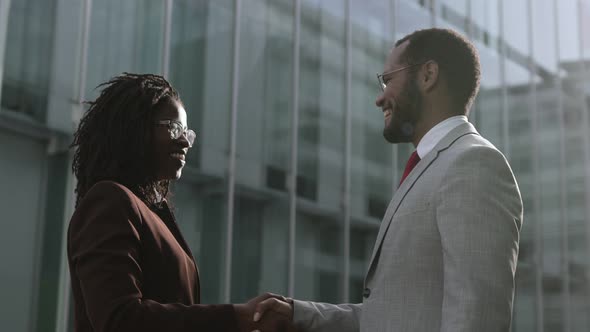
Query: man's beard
{"points": [[405, 112]]}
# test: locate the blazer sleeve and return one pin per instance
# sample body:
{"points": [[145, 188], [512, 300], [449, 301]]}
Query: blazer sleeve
{"points": [[325, 317], [479, 217], [104, 241]]}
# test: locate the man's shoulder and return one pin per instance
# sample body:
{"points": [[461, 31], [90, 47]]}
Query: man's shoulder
{"points": [[473, 143], [463, 138], [472, 153]]}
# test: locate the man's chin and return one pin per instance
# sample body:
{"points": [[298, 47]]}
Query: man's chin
{"points": [[396, 136]]}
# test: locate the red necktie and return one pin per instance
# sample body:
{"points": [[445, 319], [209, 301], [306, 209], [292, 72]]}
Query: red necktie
{"points": [[412, 162]]}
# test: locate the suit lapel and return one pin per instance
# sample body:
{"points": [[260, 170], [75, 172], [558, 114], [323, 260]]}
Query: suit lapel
{"points": [[398, 197], [406, 186]]}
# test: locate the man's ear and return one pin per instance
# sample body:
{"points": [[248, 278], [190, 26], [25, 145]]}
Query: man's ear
{"points": [[429, 75]]}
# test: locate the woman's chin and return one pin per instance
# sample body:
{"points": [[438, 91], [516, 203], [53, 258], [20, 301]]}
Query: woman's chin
{"points": [[171, 175]]}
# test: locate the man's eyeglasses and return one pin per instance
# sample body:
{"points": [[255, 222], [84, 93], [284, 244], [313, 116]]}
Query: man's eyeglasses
{"points": [[176, 130], [383, 84]]}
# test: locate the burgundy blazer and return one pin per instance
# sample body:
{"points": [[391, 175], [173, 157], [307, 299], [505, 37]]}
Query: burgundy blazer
{"points": [[131, 270]]}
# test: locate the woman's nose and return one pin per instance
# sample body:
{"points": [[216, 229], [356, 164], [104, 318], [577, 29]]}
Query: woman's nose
{"points": [[183, 140]]}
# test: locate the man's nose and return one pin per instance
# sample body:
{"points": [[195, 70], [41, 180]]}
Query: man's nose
{"points": [[380, 101]]}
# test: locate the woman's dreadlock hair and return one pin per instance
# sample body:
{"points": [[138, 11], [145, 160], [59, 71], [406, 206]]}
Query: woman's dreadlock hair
{"points": [[114, 137]]}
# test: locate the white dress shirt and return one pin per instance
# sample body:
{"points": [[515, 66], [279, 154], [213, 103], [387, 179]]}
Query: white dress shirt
{"points": [[436, 133]]}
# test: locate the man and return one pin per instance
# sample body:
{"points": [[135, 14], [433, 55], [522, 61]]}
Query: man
{"points": [[446, 253]]}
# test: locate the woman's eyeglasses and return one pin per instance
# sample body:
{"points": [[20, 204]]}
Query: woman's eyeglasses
{"points": [[176, 129]]}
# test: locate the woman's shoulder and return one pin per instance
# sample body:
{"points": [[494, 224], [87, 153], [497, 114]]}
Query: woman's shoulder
{"points": [[110, 188], [111, 193], [109, 196]]}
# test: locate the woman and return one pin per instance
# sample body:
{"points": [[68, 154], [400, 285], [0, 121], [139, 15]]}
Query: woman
{"points": [[131, 269]]}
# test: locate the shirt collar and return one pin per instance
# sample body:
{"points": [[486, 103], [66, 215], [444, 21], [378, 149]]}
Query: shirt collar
{"points": [[436, 133]]}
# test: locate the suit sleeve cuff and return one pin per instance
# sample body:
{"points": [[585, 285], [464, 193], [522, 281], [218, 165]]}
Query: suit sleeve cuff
{"points": [[220, 317]]}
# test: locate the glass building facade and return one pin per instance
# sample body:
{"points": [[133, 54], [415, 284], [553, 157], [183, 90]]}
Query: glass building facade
{"points": [[290, 176]]}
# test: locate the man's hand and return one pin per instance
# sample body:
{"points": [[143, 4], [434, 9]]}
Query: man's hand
{"points": [[274, 305], [265, 313]]}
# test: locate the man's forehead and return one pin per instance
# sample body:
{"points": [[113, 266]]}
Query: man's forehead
{"points": [[395, 57]]}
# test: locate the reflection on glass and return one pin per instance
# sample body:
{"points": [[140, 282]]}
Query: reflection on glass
{"points": [[200, 69], [488, 108], [200, 214], [576, 133], [128, 36], [263, 148], [28, 57], [550, 209], [411, 15], [577, 249], [125, 36], [321, 148], [371, 160], [318, 271]]}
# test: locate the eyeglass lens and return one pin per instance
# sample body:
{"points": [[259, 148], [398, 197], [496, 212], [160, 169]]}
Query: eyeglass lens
{"points": [[176, 130]]}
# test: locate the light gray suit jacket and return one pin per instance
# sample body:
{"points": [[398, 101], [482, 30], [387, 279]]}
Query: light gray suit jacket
{"points": [[446, 252]]}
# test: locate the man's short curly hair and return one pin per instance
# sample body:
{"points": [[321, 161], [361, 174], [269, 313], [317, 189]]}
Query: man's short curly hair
{"points": [[114, 138], [456, 57]]}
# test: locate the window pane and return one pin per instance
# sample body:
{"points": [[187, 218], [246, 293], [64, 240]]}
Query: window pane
{"points": [[200, 68], [125, 36], [261, 220], [200, 214], [28, 57], [371, 166], [321, 151], [576, 146]]}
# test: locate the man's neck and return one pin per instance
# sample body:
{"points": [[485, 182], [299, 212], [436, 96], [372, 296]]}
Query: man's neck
{"points": [[427, 123]]}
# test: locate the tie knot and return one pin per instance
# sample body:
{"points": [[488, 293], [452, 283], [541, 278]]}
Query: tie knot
{"points": [[412, 162]]}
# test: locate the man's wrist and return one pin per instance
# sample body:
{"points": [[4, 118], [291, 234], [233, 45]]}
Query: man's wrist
{"points": [[292, 305]]}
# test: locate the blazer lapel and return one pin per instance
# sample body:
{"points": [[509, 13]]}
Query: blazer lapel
{"points": [[408, 183]]}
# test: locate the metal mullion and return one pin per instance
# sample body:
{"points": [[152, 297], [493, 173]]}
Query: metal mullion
{"points": [[347, 154], [562, 178], [503, 83], [585, 128], [469, 19], [433, 13], [38, 243], [469, 11], [505, 117], [166, 37], [232, 153], [294, 150], [4, 12], [394, 147], [535, 172], [84, 51], [64, 293]]}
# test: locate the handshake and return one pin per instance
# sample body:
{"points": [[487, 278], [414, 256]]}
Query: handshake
{"points": [[265, 313]]}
